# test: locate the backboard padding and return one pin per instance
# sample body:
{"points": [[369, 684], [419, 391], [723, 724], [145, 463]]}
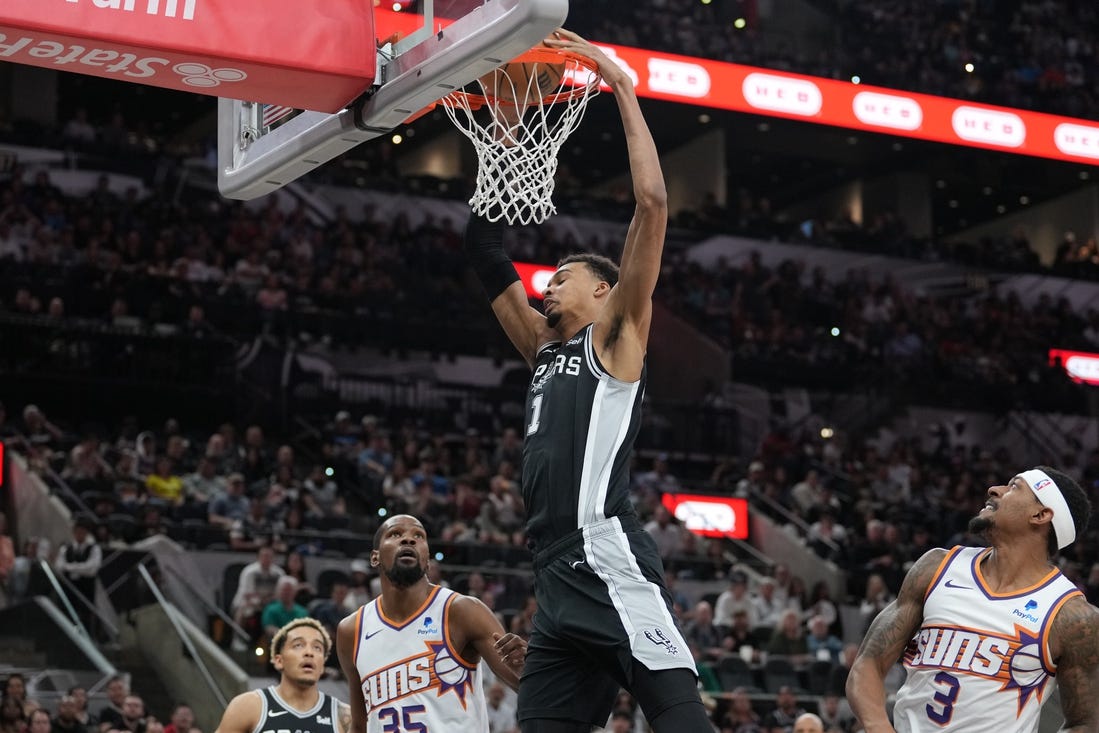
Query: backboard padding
{"points": [[411, 75]]}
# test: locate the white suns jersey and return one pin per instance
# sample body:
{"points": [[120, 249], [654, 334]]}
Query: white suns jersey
{"points": [[411, 677], [980, 662]]}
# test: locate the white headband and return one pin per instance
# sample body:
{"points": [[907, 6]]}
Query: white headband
{"points": [[1050, 495]]}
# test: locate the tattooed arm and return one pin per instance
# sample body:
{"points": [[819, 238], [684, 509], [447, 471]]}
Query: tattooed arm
{"points": [[345, 717], [885, 642], [1074, 642]]}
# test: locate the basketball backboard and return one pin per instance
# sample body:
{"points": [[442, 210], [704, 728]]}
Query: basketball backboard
{"points": [[426, 49]]}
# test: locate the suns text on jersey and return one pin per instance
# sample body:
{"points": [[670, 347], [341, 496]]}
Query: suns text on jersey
{"points": [[399, 680], [962, 650]]}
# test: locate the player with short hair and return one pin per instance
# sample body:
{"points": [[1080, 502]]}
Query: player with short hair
{"points": [[983, 630], [411, 655], [298, 651], [604, 615]]}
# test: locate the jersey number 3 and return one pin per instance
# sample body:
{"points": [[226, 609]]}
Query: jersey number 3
{"points": [[402, 722], [945, 698], [535, 414]]}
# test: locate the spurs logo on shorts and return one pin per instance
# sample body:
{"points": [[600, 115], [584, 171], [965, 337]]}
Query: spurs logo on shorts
{"points": [[656, 636]]}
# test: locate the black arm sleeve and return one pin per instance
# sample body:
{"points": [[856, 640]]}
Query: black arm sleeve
{"points": [[484, 244]]}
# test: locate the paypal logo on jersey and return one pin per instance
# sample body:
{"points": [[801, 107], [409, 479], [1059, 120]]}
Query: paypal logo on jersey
{"points": [[429, 627], [1026, 612]]}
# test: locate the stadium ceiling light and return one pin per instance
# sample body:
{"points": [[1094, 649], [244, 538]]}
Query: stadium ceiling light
{"points": [[1024, 200], [969, 68], [397, 139], [856, 79], [740, 23]]}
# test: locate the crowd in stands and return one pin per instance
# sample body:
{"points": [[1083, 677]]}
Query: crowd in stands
{"points": [[124, 712], [227, 269], [1031, 55]]}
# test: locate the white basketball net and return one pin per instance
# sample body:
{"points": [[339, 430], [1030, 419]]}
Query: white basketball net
{"points": [[517, 143]]}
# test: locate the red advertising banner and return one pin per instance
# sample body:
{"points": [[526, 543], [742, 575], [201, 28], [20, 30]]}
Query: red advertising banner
{"points": [[722, 85], [534, 277], [710, 516], [858, 107], [1081, 366], [243, 49]]}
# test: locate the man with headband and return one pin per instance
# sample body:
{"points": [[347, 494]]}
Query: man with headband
{"points": [[983, 630]]}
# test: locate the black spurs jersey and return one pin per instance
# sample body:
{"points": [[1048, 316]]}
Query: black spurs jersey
{"points": [[278, 717], [581, 424]]}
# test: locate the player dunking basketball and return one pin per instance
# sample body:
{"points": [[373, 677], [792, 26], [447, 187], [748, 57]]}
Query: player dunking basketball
{"points": [[298, 651], [604, 616], [411, 655], [983, 631]]}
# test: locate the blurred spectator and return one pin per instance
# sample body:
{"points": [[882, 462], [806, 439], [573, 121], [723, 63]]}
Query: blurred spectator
{"points": [[666, 532], [39, 721], [788, 638], [836, 714], [111, 717], [808, 723], [163, 484], [294, 566], [501, 711], [741, 718], [821, 643], [753, 483], [42, 434], [820, 604], [231, 505], [66, 720], [786, 711], [15, 688], [86, 465], [876, 598], [12, 719], [826, 538], [358, 593], [702, 633], [133, 715], [330, 611], [182, 720], [204, 484], [283, 609], [79, 561], [78, 129], [80, 706], [767, 608], [256, 588], [735, 598]]}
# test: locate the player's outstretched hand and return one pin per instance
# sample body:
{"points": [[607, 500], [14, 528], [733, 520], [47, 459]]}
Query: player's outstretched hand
{"points": [[611, 72], [512, 649]]}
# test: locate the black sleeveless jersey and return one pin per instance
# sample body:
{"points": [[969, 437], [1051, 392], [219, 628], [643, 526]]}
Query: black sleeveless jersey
{"points": [[581, 424], [278, 717]]}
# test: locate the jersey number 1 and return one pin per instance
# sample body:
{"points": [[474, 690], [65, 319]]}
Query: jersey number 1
{"points": [[535, 414], [402, 722]]}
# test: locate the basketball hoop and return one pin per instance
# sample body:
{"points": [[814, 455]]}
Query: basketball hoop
{"points": [[528, 108]]}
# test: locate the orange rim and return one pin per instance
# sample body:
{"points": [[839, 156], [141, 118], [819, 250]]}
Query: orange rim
{"points": [[537, 55]]}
